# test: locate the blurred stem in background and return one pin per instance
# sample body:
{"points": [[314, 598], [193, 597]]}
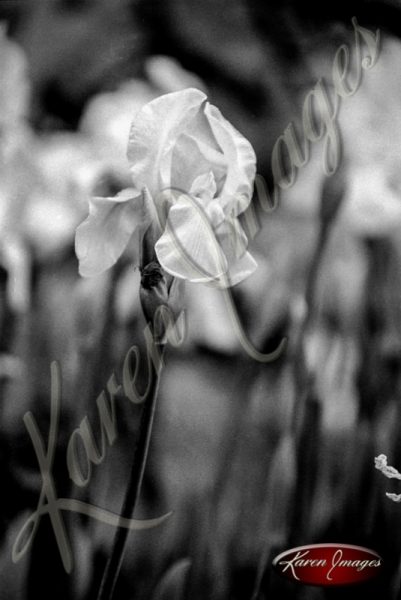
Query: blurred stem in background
{"points": [[301, 441], [307, 409], [331, 199]]}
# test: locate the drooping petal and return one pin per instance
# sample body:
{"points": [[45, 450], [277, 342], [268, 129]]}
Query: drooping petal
{"points": [[156, 128], [188, 247], [103, 236], [236, 272], [215, 212], [241, 161], [232, 239], [233, 243]]}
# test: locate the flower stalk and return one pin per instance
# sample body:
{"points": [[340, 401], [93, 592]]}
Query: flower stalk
{"points": [[153, 295], [115, 561]]}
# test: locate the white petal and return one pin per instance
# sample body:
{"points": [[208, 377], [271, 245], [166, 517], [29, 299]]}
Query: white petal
{"points": [[188, 248], [204, 186], [103, 236], [233, 241], [241, 161], [191, 158], [238, 271], [154, 131]]}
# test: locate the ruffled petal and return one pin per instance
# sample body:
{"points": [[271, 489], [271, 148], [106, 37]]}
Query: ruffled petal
{"points": [[188, 247], [241, 162], [234, 242], [155, 130], [204, 187], [191, 158], [103, 236]]}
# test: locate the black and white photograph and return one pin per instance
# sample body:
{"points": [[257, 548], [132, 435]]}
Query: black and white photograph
{"points": [[200, 300]]}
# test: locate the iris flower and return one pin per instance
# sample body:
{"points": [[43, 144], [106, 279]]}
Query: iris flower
{"points": [[192, 174]]}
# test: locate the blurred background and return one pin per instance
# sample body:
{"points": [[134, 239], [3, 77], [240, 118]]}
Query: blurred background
{"points": [[251, 458]]}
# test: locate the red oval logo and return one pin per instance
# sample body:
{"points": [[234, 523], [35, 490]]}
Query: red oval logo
{"points": [[328, 564]]}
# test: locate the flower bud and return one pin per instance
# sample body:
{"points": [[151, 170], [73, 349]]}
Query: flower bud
{"points": [[148, 255], [153, 291]]}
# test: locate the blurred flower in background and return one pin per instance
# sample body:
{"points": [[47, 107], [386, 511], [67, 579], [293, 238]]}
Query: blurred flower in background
{"points": [[108, 116], [370, 129], [14, 95]]}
